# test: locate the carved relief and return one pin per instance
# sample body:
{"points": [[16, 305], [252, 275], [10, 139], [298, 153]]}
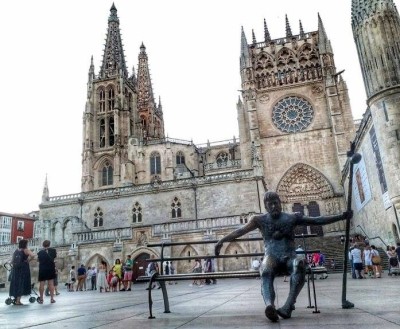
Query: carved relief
{"points": [[264, 98], [302, 182], [141, 238], [317, 89]]}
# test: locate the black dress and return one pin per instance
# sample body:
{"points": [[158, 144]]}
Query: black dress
{"points": [[47, 267], [20, 284]]}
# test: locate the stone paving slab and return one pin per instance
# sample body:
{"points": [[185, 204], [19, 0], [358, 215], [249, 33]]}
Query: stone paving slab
{"points": [[232, 303]]}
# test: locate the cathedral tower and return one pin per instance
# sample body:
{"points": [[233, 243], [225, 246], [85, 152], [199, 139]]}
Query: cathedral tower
{"points": [[376, 31], [295, 117], [118, 107]]}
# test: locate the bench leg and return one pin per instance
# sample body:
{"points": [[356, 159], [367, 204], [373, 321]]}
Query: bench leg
{"points": [[165, 296], [315, 296], [309, 291], [155, 274]]}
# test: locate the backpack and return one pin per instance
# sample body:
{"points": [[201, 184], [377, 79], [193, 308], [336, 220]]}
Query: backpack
{"points": [[17, 259]]}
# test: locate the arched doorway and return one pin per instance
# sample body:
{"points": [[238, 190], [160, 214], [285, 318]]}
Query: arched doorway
{"points": [[139, 268]]}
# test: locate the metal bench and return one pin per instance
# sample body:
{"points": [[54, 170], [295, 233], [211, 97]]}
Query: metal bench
{"points": [[161, 278]]}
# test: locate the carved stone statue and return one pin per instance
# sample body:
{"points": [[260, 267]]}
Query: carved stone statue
{"points": [[277, 229]]}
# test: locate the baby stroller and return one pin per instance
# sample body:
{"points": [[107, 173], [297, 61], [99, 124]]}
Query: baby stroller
{"points": [[11, 300], [394, 268]]}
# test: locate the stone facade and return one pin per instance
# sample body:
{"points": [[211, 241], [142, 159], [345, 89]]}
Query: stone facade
{"points": [[138, 186]]}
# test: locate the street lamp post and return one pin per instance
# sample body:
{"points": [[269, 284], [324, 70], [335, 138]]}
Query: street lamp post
{"points": [[354, 158]]}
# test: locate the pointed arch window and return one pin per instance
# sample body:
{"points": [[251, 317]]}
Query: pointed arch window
{"points": [[107, 174], [222, 159], [102, 100], [180, 158], [111, 99], [137, 213], [111, 131], [98, 218], [176, 210], [102, 133], [155, 164]]}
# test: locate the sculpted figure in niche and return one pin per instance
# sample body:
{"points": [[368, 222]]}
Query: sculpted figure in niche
{"points": [[277, 229]]}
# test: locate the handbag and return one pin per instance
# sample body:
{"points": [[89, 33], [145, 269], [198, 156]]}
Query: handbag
{"points": [[376, 260]]}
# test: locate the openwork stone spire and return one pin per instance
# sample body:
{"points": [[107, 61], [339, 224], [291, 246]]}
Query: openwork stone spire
{"points": [[113, 58], [145, 89]]}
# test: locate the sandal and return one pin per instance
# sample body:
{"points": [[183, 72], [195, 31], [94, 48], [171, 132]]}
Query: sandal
{"points": [[40, 301], [52, 301]]}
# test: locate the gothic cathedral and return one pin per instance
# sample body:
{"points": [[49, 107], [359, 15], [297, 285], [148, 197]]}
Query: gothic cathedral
{"points": [[295, 128]]}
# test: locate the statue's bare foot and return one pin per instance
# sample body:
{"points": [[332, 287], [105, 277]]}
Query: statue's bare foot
{"points": [[270, 313], [285, 312]]}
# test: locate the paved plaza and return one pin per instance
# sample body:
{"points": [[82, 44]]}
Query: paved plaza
{"points": [[231, 303]]}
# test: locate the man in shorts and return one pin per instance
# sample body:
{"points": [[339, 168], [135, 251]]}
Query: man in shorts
{"points": [[128, 267]]}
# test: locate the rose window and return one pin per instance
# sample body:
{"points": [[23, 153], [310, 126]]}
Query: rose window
{"points": [[292, 114]]}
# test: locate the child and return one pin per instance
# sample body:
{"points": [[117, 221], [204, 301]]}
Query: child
{"points": [[109, 277], [72, 279], [114, 282]]}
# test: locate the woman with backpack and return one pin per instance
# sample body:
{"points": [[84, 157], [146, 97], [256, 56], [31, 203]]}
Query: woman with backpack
{"points": [[20, 276]]}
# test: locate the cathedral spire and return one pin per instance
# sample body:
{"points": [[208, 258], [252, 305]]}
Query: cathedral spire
{"points": [[159, 108], [145, 89], [151, 118], [244, 51], [91, 77], [267, 36], [91, 69], [45, 194], [323, 42], [113, 58], [302, 35], [288, 29], [254, 37]]}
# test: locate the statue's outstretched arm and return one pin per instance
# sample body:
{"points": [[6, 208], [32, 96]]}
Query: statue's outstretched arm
{"points": [[323, 220], [250, 226]]}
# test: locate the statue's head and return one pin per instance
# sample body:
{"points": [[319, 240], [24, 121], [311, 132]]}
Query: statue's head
{"points": [[272, 204]]}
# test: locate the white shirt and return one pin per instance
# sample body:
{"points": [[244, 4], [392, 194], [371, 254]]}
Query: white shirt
{"points": [[356, 255], [367, 256]]}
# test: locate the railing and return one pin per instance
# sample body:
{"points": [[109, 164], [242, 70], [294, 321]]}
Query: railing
{"points": [[217, 143], [167, 140], [103, 235], [373, 238], [239, 174], [222, 165], [282, 41], [200, 224]]}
